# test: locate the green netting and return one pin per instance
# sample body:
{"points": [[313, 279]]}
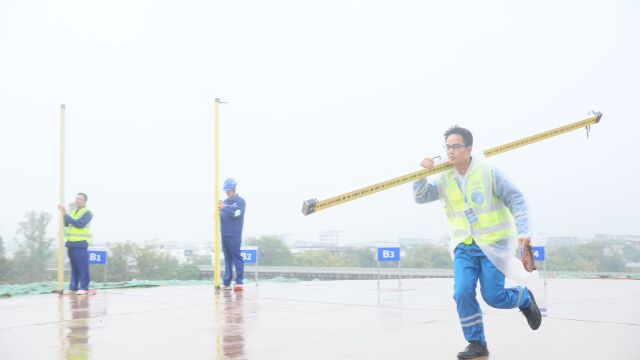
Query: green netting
{"points": [[7, 290], [47, 287]]}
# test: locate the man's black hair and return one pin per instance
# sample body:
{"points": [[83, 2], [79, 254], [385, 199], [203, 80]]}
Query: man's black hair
{"points": [[466, 134], [84, 196]]}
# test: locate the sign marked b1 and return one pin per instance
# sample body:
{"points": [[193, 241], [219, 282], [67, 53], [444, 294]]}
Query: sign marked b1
{"points": [[249, 254], [538, 252], [97, 255], [389, 253]]}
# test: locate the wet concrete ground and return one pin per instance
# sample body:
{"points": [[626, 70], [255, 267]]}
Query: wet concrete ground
{"points": [[588, 319]]}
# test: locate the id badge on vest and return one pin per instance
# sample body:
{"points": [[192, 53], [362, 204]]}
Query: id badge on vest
{"points": [[471, 215]]}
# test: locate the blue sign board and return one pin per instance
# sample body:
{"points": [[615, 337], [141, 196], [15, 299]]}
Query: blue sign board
{"points": [[249, 254], [538, 252], [97, 256], [388, 253]]}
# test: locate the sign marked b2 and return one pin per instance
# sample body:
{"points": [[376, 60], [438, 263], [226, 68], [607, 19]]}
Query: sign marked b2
{"points": [[249, 254], [389, 253]]}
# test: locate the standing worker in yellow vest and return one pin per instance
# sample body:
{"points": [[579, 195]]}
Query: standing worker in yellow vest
{"points": [[78, 235], [481, 206]]}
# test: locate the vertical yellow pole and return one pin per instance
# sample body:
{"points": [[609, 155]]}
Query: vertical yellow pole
{"points": [[216, 191], [61, 202]]}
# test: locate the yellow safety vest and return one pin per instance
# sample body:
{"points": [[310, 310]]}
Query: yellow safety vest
{"points": [[78, 234], [493, 220]]}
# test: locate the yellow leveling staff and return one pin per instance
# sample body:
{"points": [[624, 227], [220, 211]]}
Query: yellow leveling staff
{"points": [[60, 286], [313, 205], [216, 191]]}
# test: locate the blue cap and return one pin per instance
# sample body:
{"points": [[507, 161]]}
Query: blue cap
{"points": [[229, 184]]}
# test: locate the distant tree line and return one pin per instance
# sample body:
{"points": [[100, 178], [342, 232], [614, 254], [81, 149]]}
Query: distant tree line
{"points": [[274, 252], [593, 256], [29, 263], [128, 261]]}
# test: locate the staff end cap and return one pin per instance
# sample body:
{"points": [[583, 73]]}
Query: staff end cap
{"points": [[309, 206]]}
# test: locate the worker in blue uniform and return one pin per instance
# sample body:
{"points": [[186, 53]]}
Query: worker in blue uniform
{"points": [[232, 211]]}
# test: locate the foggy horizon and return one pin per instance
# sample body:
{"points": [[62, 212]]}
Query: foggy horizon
{"points": [[323, 98]]}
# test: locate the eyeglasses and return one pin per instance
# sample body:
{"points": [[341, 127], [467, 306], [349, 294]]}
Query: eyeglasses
{"points": [[454, 147]]}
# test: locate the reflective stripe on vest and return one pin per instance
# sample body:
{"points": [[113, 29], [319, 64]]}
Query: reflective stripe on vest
{"points": [[495, 221], [78, 234]]}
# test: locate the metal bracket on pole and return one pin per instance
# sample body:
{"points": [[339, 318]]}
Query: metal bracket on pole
{"points": [[598, 115]]}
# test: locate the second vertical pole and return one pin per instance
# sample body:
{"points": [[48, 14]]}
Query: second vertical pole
{"points": [[216, 190]]}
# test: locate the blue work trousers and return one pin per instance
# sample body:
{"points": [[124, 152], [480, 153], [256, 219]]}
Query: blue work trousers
{"points": [[79, 260], [231, 250], [469, 265]]}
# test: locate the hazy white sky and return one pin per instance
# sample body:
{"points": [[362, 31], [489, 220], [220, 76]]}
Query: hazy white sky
{"points": [[324, 97]]}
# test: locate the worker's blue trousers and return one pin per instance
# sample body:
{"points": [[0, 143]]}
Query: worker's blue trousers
{"points": [[79, 260], [469, 265], [231, 250]]}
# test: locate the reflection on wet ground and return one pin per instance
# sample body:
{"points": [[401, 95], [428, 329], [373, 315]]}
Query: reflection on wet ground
{"points": [[314, 320], [78, 328], [74, 316], [233, 331]]}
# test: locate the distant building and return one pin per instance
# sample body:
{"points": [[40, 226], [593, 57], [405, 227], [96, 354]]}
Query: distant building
{"points": [[329, 238], [286, 238], [565, 240], [182, 252], [414, 241], [632, 266], [612, 237]]}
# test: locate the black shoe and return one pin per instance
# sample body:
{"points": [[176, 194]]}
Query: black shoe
{"points": [[474, 350], [532, 313]]}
